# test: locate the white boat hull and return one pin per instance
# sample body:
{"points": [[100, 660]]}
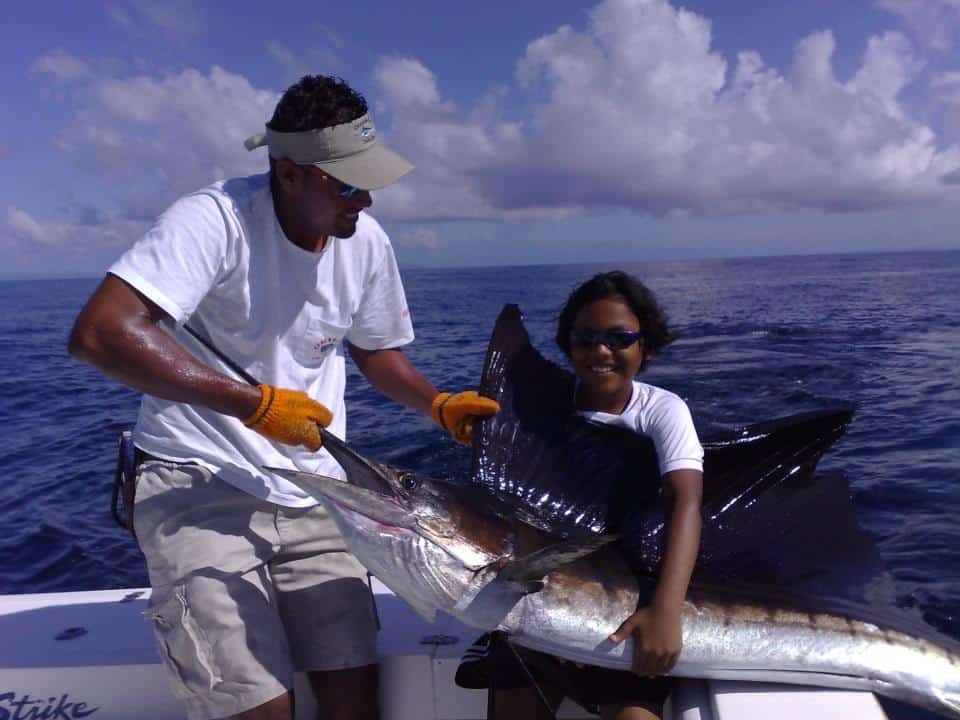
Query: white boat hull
{"points": [[68, 656]]}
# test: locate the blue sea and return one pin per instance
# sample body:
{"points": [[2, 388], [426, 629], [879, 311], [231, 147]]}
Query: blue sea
{"points": [[758, 338]]}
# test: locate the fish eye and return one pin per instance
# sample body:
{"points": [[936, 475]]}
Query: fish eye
{"points": [[409, 482]]}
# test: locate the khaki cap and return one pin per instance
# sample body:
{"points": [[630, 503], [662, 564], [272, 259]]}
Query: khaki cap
{"points": [[349, 152]]}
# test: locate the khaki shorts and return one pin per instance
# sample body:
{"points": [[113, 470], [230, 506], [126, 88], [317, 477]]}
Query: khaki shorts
{"points": [[245, 591]]}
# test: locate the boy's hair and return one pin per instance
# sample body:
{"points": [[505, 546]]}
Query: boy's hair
{"points": [[315, 102], [633, 293]]}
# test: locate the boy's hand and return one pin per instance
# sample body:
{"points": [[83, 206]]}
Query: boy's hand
{"points": [[289, 417], [455, 413], [657, 639]]}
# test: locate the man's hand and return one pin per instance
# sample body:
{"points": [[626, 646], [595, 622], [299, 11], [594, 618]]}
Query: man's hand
{"points": [[455, 413], [657, 640], [289, 417]]}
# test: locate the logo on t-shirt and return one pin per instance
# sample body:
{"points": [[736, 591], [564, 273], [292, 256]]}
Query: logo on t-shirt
{"points": [[323, 344]]}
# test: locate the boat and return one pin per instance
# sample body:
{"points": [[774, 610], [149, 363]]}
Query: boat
{"points": [[91, 654]]}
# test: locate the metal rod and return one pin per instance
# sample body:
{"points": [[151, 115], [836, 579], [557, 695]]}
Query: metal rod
{"points": [[226, 361]]}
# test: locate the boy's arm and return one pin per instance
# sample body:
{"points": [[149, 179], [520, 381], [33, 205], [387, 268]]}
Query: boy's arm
{"points": [[684, 493], [657, 628]]}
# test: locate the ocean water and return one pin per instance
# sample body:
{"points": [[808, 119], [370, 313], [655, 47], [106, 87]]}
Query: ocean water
{"points": [[759, 338]]}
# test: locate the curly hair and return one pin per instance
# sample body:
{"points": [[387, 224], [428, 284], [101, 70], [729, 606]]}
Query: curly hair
{"points": [[634, 294], [317, 101]]}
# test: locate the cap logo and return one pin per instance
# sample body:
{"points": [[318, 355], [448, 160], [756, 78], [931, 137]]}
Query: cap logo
{"points": [[367, 132]]}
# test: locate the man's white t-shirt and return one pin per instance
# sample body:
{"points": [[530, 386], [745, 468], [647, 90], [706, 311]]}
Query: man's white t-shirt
{"points": [[665, 419], [218, 261]]}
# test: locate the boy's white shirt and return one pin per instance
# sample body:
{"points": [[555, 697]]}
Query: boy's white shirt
{"points": [[218, 261], [663, 417]]}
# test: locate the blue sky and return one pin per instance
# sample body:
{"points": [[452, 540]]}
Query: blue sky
{"points": [[541, 132]]}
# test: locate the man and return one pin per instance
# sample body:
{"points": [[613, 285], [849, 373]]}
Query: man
{"points": [[279, 272]]}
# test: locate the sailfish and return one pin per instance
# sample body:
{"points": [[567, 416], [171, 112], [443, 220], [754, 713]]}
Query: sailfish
{"points": [[557, 537]]}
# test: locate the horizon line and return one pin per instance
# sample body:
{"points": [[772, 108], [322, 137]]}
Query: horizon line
{"points": [[658, 260]]}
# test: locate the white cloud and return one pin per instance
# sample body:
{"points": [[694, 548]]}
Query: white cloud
{"points": [[62, 247], [934, 23], [63, 66], [419, 236], [98, 230], [946, 87], [407, 84], [147, 140], [888, 67], [635, 110], [316, 60], [174, 17], [446, 146], [638, 111], [283, 55], [121, 17], [333, 37], [22, 226], [162, 137]]}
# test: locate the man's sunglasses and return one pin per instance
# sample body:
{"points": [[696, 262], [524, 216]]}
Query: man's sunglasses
{"points": [[613, 339], [345, 191]]}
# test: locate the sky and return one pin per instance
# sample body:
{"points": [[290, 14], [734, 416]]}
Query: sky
{"points": [[542, 132]]}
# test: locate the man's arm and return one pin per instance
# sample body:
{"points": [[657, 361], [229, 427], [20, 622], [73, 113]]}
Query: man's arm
{"points": [[117, 333], [392, 374]]}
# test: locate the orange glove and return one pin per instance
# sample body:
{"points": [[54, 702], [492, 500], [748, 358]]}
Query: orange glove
{"points": [[456, 412], [289, 416]]}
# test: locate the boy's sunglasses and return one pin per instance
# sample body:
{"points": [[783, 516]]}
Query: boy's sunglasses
{"points": [[613, 339]]}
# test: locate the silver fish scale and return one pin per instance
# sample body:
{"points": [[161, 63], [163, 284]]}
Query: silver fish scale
{"points": [[838, 652], [755, 644]]}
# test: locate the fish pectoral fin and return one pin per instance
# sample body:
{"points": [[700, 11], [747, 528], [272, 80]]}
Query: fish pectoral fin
{"points": [[533, 567]]}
